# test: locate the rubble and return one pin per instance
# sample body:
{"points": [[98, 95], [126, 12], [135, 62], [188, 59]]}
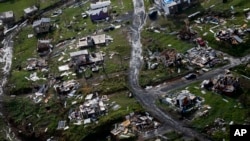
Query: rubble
{"points": [[222, 84], [34, 77], [202, 57], [134, 124], [36, 64], [234, 35], [184, 101], [89, 111], [67, 87]]}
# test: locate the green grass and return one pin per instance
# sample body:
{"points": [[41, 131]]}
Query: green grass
{"points": [[238, 4], [24, 47], [224, 9], [220, 109], [17, 6], [110, 85], [22, 111], [242, 69], [160, 41], [159, 75], [121, 6]]}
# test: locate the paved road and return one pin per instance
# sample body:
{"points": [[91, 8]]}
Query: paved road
{"points": [[148, 98]]}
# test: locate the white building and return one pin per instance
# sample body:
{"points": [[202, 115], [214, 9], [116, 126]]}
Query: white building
{"points": [[173, 6]]}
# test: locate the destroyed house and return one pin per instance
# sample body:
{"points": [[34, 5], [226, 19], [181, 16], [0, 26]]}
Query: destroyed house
{"points": [[42, 25], [7, 17], [44, 47], [226, 84], [88, 111], [185, 99], [34, 64], [30, 11], [99, 11], [66, 87], [83, 57], [85, 42], [168, 57], [222, 84]]}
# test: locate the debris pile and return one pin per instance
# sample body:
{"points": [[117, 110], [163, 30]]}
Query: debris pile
{"points": [[184, 101], [135, 123], [68, 88], [36, 64], [202, 57], [90, 110], [223, 84], [234, 35]]}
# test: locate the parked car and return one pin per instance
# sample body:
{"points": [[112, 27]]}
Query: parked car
{"points": [[191, 76]]}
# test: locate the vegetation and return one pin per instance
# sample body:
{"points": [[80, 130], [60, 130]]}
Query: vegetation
{"points": [[22, 112], [232, 110], [17, 6], [242, 69]]}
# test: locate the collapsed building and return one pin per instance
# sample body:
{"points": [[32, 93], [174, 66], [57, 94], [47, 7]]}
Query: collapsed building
{"points": [[84, 58], [36, 64], [169, 57], [223, 84], [184, 101], [186, 33], [202, 57], [68, 88], [133, 124], [89, 111], [234, 35], [44, 47]]}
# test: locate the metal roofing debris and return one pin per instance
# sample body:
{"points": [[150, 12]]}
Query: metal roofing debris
{"points": [[89, 97], [61, 125], [135, 123], [63, 68], [87, 121], [30, 9], [6, 15], [41, 21], [78, 53]]}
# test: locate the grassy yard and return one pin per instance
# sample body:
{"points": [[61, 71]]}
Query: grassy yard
{"points": [[242, 69], [17, 6], [161, 41], [159, 75], [232, 110]]}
